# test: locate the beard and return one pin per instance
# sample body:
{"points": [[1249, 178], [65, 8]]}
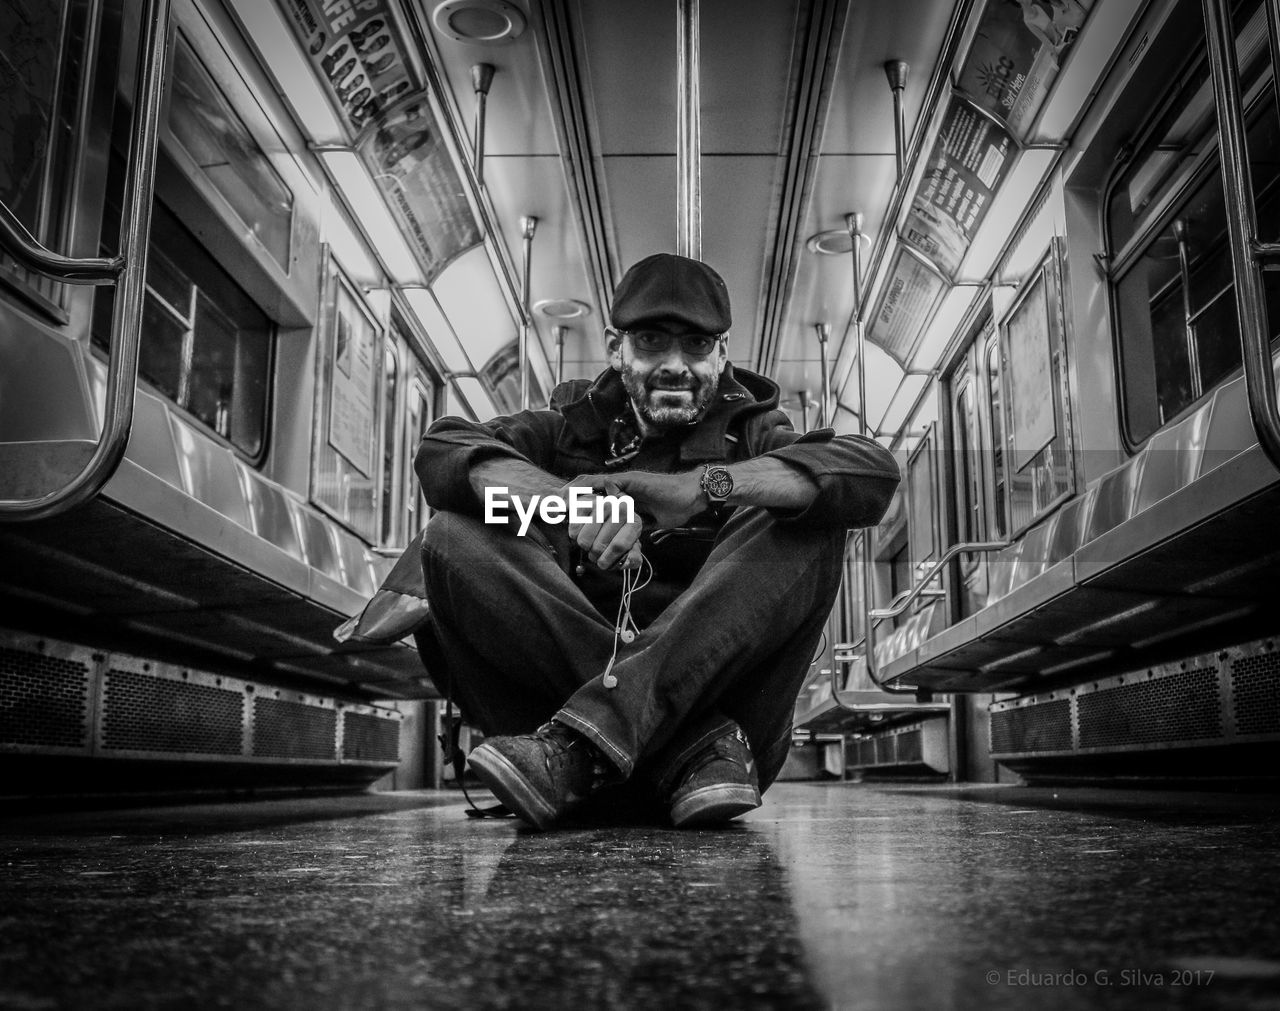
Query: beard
{"points": [[655, 404]]}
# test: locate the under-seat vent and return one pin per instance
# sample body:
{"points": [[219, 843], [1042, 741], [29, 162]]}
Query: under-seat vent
{"points": [[885, 750], [1046, 727], [370, 738], [285, 729], [910, 747], [44, 700], [1184, 706], [143, 712], [1255, 688]]}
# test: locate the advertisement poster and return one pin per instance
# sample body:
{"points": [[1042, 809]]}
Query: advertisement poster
{"points": [[358, 52], [1026, 335], [407, 156], [351, 398], [906, 305], [967, 165], [1016, 54]]}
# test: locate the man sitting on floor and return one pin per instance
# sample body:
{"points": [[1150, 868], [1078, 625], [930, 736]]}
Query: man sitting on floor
{"points": [[665, 648]]}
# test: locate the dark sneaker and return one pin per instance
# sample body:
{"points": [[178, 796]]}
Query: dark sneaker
{"points": [[541, 776], [718, 784]]}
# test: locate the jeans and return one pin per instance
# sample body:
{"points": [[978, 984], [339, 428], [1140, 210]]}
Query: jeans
{"points": [[521, 643]]}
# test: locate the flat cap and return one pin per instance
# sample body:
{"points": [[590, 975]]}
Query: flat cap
{"points": [[665, 288]]}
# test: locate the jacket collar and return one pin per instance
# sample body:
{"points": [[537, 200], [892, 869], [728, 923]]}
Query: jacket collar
{"points": [[589, 409]]}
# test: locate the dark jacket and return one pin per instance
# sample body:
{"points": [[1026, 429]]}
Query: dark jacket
{"points": [[855, 476]]}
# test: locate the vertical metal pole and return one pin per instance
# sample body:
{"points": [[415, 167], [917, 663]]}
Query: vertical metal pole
{"points": [[804, 412], [688, 133], [896, 72], [559, 332], [528, 225], [1237, 186], [1182, 232], [481, 78], [824, 334], [854, 223]]}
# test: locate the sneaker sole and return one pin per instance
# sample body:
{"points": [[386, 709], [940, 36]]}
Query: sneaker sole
{"points": [[712, 804], [510, 787]]}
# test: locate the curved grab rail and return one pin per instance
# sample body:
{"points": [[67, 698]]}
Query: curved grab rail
{"points": [[1246, 252], [27, 250], [129, 270], [876, 615]]}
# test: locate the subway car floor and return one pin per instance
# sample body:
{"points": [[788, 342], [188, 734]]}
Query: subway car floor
{"points": [[831, 895]]}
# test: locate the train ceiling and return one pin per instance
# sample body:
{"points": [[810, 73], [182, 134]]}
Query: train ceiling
{"points": [[797, 132]]}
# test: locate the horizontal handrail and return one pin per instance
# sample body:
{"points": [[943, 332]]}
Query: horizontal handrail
{"points": [[903, 600], [1255, 342], [31, 254], [126, 318], [874, 616]]}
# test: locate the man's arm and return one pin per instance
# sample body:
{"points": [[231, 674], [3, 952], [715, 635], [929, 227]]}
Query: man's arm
{"points": [[671, 500], [606, 544]]}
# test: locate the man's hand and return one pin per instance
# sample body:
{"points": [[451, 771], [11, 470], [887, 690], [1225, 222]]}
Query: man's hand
{"points": [[668, 500], [612, 542]]}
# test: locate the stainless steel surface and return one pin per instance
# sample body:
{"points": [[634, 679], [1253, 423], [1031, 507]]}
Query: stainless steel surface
{"points": [[528, 226], [558, 332], [896, 72], [28, 251], [688, 131], [126, 320], [824, 337], [481, 79], [1241, 220]]}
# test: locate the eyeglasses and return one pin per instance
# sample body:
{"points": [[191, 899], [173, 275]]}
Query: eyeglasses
{"points": [[697, 345]]}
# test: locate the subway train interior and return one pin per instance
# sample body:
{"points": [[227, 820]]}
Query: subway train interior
{"points": [[251, 249]]}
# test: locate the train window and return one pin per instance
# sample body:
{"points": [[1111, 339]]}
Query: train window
{"points": [[1172, 281], [390, 439], [42, 68], [205, 345], [969, 491], [922, 531], [998, 527], [345, 478], [208, 129], [420, 418]]}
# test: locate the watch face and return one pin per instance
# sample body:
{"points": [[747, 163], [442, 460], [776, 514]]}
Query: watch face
{"points": [[718, 482]]}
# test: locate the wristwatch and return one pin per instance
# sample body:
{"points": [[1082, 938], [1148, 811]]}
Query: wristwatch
{"points": [[716, 483]]}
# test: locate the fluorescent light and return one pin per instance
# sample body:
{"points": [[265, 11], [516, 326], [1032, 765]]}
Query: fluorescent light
{"points": [[477, 396], [438, 330], [1006, 208], [297, 78], [349, 249], [370, 211], [955, 304], [472, 301], [903, 399]]}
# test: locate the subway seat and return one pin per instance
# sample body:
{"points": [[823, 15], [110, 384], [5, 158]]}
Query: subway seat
{"points": [[1175, 457], [907, 636], [179, 454]]}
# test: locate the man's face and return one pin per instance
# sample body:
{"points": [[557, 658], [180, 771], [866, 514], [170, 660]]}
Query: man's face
{"points": [[672, 386]]}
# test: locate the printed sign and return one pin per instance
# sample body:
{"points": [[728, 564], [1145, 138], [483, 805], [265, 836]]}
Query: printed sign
{"points": [[968, 163], [357, 49], [906, 305], [351, 388], [1016, 54], [1030, 376], [406, 154]]}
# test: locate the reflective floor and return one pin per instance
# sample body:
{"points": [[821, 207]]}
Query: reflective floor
{"points": [[831, 895]]}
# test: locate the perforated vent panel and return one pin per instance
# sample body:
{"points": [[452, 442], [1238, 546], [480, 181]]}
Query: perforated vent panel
{"points": [[142, 712], [44, 700], [884, 750], [283, 729], [910, 746], [1181, 707], [1045, 727], [370, 739], [866, 752], [1255, 687]]}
